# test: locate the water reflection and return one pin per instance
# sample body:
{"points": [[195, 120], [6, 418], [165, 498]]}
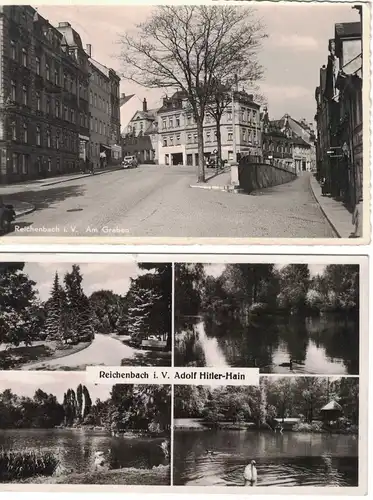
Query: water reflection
{"points": [[76, 448], [326, 344], [290, 459]]}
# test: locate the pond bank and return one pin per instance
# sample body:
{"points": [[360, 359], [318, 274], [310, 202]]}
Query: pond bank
{"points": [[128, 476], [198, 424]]}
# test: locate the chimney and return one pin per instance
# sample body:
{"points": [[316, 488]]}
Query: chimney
{"points": [[122, 95], [144, 105], [88, 49]]}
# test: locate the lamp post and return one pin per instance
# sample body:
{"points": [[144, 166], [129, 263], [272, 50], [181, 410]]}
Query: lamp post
{"points": [[235, 182]]}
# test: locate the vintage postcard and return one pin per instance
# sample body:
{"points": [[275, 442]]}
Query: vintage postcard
{"points": [[261, 381], [129, 126]]}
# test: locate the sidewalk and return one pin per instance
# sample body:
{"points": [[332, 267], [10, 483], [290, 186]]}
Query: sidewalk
{"points": [[51, 181], [338, 216], [216, 182]]}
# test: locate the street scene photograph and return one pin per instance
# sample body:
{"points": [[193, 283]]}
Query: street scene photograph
{"points": [[286, 432], [65, 316], [236, 121], [279, 318], [57, 429]]}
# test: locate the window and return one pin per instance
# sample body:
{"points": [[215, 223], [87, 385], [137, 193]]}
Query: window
{"points": [[72, 115], [49, 165], [164, 142], [48, 106], [40, 164], [95, 101], [95, 124], [38, 136], [164, 124], [58, 140], [38, 67], [229, 112], [244, 135], [171, 140], [91, 123], [195, 138], [24, 57], [208, 118], [65, 113], [13, 50], [242, 114], [178, 121], [13, 90], [25, 133], [230, 136], [38, 101], [254, 115], [48, 138], [230, 155], [14, 131], [208, 136], [56, 77], [178, 139], [15, 163], [57, 108], [90, 98], [189, 119], [24, 95], [171, 122], [189, 139], [24, 165], [47, 71]]}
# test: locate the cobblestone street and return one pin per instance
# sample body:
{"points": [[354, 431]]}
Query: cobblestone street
{"points": [[157, 201]]}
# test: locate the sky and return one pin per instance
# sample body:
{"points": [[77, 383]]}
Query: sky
{"points": [[100, 276], [217, 269], [296, 48], [51, 383]]}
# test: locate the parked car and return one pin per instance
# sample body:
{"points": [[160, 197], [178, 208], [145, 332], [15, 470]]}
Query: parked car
{"points": [[8, 217], [129, 162]]}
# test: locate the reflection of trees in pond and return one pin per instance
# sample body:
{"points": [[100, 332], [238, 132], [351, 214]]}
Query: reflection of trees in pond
{"points": [[339, 336], [293, 333], [244, 345], [188, 348]]}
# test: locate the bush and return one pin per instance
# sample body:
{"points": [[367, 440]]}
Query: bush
{"points": [[305, 427], [16, 465]]}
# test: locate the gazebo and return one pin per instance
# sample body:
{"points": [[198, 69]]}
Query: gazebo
{"points": [[331, 411]]}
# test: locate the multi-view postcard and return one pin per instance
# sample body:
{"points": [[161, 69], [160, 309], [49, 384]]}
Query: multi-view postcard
{"points": [[212, 374], [229, 122]]}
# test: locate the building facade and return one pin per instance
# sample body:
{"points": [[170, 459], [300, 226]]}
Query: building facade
{"points": [[177, 137], [339, 117], [115, 138], [43, 96]]}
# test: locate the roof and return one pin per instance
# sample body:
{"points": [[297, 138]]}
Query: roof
{"points": [[300, 142], [125, 99], [344, 30], [332, 405]]}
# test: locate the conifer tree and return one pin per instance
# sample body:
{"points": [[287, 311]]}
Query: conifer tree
{"points": [[141, 302], [55, 324]]}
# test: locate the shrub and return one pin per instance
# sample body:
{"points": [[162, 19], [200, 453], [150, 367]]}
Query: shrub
{"points": [[16, 465], [305, 427]]}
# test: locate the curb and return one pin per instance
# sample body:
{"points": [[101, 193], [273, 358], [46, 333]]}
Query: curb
{"points": [[27, 211], [324, 212], [225, 189], [83, 176]]}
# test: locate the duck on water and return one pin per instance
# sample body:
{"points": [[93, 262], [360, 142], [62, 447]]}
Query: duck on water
{"points": [[290, 364], [250, 473]]}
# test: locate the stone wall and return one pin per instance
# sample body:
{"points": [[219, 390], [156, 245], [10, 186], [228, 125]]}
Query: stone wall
{"points": [[254, 176]]}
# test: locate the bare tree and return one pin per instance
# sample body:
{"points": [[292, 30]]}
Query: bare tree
{"points": [[188, 47]]}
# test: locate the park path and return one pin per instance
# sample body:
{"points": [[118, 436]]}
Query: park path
{"points": [[104, 350]]}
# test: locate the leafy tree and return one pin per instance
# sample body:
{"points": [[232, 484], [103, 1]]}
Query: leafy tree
{"points": [[106, 307], [17, 305], [189, 287], [190, 47], [294, 285]]}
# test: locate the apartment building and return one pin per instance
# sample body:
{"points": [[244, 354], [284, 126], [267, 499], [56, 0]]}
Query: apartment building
{"points": [[44, 112], [177, 131]]}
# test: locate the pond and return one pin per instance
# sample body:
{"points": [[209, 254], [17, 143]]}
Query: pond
{"points": [[75, 448], [315, 345], [288, 459]]}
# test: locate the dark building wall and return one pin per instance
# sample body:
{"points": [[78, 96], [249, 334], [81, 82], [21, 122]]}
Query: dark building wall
{"points": [[44, 102]]}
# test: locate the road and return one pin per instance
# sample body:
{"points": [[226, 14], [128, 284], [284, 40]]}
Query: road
{"points": [[157, 201], [104, 350]]}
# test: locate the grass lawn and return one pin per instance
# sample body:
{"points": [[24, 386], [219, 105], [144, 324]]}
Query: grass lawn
{"points": [[16, 357], [148, 358], [158, 476]]}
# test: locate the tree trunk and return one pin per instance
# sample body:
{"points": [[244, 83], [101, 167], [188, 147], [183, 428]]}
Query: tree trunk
{"points": [[201, 158], [218, 140]]}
